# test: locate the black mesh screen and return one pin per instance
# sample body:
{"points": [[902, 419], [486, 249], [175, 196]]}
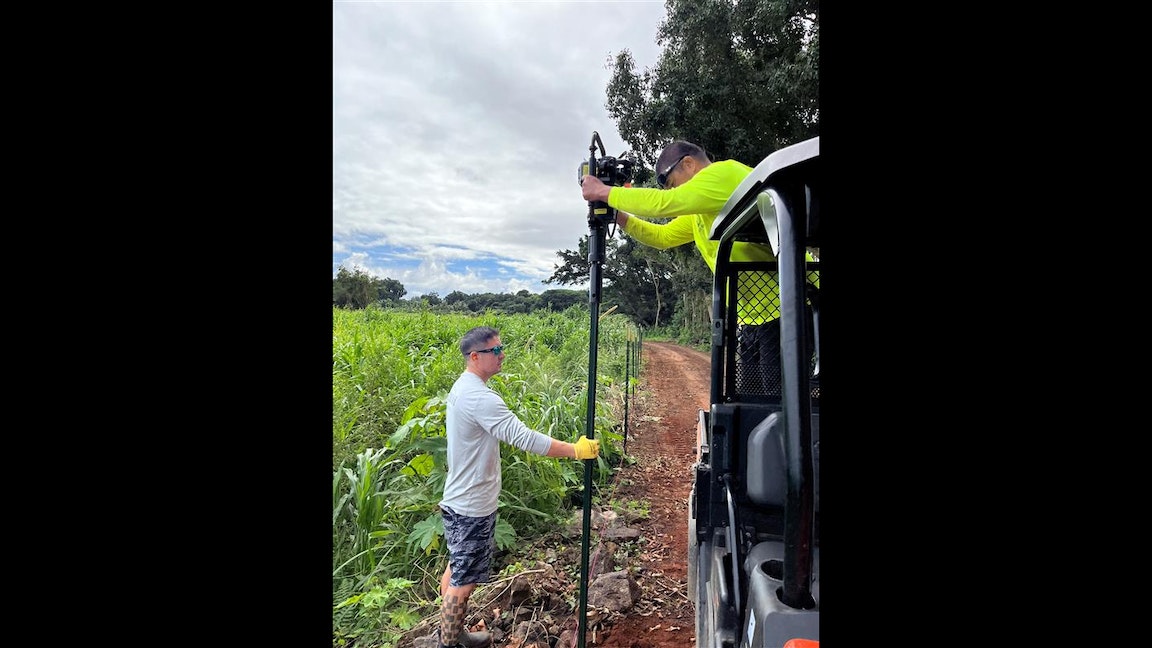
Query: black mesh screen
{"points": [[756, 371]]}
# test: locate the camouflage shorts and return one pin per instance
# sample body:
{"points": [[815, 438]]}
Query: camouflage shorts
{"points": [[471, 541]]}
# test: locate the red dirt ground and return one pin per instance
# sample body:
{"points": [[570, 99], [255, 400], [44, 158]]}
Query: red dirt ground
{"points": [[673, 387]]}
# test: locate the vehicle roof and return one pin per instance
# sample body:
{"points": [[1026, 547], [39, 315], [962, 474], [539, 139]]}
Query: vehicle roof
{"points": [[741, 204]]}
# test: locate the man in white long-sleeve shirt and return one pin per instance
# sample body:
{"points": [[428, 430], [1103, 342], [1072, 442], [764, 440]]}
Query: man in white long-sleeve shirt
{"points": [[477, 421]]}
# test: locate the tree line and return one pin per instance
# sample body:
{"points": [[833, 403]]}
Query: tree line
{"points": [[355, 289]]}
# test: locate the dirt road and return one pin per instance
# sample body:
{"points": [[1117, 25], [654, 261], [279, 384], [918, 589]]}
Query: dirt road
{"points": [[673, 387]]}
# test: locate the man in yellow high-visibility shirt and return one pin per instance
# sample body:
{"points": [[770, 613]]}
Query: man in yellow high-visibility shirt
{"points": [[693, 190]]}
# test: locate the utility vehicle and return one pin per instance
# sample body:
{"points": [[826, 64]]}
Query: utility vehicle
{"points": [[754, 513]]}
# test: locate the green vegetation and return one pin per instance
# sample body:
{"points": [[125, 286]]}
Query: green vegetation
{"points": [[741, 80], [356, 288], [391, 373]]}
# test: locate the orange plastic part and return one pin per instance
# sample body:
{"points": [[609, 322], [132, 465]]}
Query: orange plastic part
{"points": [[802, 643]]}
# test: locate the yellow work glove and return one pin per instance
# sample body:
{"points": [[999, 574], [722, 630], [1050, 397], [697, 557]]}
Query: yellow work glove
{"points": [[586, 448]]}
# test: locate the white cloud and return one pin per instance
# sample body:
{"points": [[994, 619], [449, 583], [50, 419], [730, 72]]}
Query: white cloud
{"points": [[458, 128]]}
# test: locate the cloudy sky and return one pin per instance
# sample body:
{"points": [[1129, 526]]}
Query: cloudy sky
{"points": [[458, 129]]}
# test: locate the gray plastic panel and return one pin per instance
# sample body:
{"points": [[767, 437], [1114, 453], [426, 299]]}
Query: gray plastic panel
{"points": [[770, 623]]}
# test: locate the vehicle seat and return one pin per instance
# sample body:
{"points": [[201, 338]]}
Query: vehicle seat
{"points": [[766, 468]]}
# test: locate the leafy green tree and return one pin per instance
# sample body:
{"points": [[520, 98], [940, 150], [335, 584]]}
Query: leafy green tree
{"points": [[357, 289], [739, 78], [388, 289], [352, 288], [636, 278], [559, 301], [640, 282]]}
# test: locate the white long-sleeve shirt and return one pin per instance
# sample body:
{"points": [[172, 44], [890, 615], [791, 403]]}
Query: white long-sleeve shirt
{"points": [[477, 421]]}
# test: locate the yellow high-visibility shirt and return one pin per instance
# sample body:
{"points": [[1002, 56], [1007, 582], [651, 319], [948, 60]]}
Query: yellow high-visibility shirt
{"points": [[693, 206]]}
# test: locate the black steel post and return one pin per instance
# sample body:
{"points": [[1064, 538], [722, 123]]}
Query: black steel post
{"points": [[599, 214]]}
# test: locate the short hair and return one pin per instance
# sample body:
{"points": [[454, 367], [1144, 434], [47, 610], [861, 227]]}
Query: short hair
{"points": [[675, 150], [477, 337]]}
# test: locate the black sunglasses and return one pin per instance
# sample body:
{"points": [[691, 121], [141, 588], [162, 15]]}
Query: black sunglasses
{"points": [[496, 350], [662, 178]]}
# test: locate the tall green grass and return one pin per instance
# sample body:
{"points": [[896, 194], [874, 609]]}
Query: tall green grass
{"points": [[391, 373]]}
